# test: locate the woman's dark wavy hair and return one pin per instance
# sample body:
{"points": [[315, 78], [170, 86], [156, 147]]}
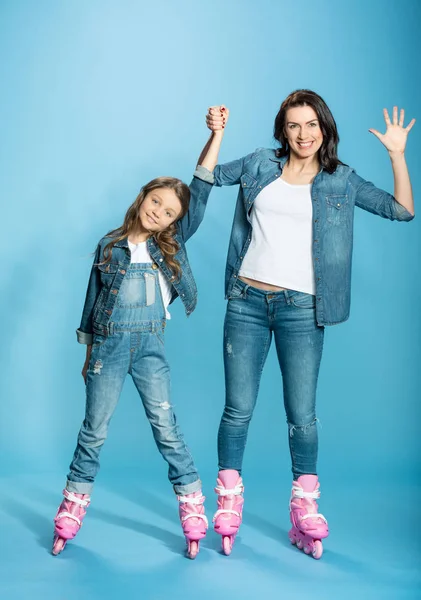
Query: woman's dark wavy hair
{"points": [[328, 153]]}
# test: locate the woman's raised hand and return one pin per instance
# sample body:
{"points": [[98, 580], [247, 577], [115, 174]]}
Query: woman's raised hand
{"points": [[217, 117], [396, 134]]}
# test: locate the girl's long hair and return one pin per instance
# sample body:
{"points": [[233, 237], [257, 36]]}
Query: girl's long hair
{"points": [[328, 153], [165, 239]]}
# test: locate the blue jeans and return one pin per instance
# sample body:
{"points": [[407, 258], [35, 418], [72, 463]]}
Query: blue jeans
{"points": [[135, 345], [252, 317]]}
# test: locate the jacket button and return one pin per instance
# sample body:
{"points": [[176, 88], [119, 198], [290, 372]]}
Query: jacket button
{"points": [[154, 266], [114, 291], [244, 184], [235, 275], [161, 259], [123, 271], [108, 312]]}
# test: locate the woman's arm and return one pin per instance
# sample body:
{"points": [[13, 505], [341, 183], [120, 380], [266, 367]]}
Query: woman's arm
{"points": [[201, 187], [394, 141]]}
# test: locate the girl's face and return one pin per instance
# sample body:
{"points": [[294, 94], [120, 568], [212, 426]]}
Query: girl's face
{"points": [[303, 132], [160, 208]]}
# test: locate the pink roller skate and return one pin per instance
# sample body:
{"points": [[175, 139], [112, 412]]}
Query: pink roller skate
{"points": [[68, 519], [228, 517], [193, 520], [308, 526]]}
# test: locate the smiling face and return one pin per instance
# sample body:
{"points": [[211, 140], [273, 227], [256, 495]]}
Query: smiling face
{"points": [[302, 130], [159, 209]]}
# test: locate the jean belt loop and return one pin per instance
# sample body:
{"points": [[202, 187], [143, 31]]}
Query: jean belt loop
{"points": [[110, 328], [287, 298]]}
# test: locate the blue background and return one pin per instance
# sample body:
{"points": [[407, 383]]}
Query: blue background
{"points": [[98, 98]]}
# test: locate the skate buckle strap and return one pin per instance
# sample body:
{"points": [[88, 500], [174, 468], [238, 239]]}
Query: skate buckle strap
{"points": [[193, 500], [197, 516], [313, 516], [237, 491], [298, 492], [68, 516], [69, 496], [223, 511]]}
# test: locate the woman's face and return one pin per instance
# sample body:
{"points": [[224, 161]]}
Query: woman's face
{"points": [[303, 132], [160, 208]]}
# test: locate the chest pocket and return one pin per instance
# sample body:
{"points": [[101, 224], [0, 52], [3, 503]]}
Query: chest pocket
{"points": [[337, 208], [108, 272]]}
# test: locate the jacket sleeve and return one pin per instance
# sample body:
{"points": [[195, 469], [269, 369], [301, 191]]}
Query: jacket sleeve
{"points": [[85, 331], [229, 173], [200, 188], [377, 201]]}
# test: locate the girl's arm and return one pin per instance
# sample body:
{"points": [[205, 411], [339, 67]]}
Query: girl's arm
{"points": [[85, 331], [201, 187], [394, 141]]}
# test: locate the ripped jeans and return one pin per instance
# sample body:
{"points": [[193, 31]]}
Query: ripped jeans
{"points": [[135, 346], [252, 317]]}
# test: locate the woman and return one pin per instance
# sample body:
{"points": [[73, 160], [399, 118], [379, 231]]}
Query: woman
{"points": [[288, 274]]}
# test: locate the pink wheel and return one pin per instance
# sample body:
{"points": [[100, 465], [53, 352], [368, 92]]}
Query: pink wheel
{"points": [[291, 538], [193, 549], [307, 549], [226, 545], [317, 549], [58, 545], [300, 544]]}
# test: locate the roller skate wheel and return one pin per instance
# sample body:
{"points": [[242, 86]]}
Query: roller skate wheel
{"points": [[226, 545], [291, 539], [307, 550], [58, 546], [193, 549], [317, 549], [299, 544]]}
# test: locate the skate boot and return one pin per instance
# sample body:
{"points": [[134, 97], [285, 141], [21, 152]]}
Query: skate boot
{"points": [[193, 520], [308, 526], [68, 519], [228, 517]]}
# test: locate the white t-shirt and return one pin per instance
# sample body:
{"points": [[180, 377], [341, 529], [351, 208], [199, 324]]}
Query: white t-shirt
{"points": [[280, 251], [140, 254]]}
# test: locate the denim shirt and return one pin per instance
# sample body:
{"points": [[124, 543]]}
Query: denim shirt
{"points": [[105, 279], [333, 198]]}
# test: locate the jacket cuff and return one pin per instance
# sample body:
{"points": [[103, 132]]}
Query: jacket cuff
{"points": [[204, 174], [84, 338]]}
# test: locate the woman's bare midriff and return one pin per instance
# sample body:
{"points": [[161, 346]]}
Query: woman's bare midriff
{"points": [[267, 287]]}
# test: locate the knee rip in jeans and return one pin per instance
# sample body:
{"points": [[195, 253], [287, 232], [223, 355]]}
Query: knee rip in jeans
{"points": [[97, 367], [303, 428], [165, 405]]}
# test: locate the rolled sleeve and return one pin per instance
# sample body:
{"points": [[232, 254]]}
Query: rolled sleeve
{"points": [[204, 174], [84, 338]]}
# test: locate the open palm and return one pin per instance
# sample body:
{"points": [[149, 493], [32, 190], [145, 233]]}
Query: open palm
{"points": [[396, 134]]}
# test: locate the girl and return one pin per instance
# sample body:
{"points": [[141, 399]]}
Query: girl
{"points": [[288, 275], [138, 270]]}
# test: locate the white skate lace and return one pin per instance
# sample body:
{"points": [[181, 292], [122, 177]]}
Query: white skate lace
{"points": [[198, 500], [298, 492]]}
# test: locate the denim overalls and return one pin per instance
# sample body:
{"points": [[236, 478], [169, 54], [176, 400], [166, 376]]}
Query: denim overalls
{"points": [[134, 344]]}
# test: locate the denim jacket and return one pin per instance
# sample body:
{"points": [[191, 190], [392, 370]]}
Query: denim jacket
{"points": [[333, 198], [105, 279]]}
